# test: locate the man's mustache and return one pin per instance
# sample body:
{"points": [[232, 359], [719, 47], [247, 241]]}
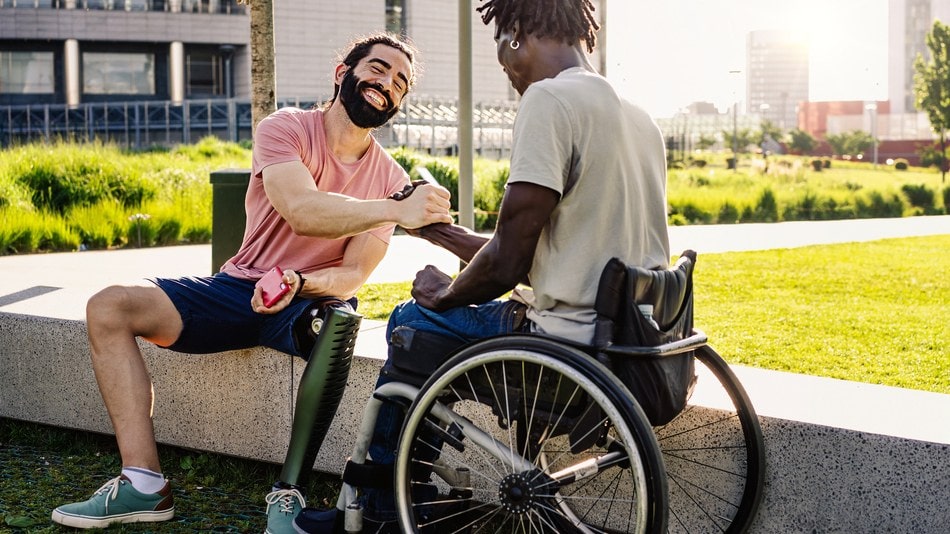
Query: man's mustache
{"points": [[379, 89]]}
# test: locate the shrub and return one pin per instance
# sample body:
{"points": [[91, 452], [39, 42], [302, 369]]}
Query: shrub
{"points": [[677, 219], [699, 162], [901, 164], [691, 213], [407, 158], [766, 208], [817, 164], [728, 214], [826, 163], [946, 199], [879, 205], [919, 196], [804, 209]]}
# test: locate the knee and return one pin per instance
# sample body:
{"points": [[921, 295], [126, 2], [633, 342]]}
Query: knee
{"points": [[109, 308]]}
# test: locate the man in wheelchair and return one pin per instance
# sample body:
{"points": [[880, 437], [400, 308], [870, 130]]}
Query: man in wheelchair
{"points": [[587, 184]]}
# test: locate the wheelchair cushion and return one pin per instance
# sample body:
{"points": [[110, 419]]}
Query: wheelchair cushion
{"points": [[415, 354], [661, 385]]}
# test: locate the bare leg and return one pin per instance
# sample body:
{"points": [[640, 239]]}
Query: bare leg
{"points": [[115, 317]]}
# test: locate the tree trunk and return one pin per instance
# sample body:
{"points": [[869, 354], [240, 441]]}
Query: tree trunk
{"points": [[943, 156], [263, 85]]}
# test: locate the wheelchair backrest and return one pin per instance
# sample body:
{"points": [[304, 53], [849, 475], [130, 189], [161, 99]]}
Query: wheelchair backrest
{"points": [[661, 385], [623, 287]]}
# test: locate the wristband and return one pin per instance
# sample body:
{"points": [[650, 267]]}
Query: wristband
{"points": [[299, 287]]}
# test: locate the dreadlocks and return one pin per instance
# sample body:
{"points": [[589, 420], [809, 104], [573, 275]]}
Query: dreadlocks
{"points": [[568, 20]]}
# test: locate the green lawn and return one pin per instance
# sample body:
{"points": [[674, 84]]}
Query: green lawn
{"points": [[875, 312]]}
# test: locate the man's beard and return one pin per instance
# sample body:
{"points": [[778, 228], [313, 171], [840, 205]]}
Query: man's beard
{"points": [[361, 112]]}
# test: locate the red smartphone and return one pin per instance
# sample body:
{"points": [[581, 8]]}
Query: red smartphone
{"points": [[273, 286]]}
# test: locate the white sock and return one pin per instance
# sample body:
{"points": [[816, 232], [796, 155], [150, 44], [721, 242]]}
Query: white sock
{"points": [[144, 480]]}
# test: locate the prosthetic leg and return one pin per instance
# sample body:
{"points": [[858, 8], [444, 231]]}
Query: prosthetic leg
{"points": [[321, 388]]}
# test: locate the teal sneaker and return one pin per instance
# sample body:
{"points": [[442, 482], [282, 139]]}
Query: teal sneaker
{"points": [[283, 505], [117, 502]]}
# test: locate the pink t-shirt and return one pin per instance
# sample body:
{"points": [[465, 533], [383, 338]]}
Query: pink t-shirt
{"points": [[293, 134]]}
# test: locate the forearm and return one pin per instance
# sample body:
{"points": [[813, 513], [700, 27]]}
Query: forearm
{"points": [[456, 239], [342, 282], [488, 276], [333, 216]]}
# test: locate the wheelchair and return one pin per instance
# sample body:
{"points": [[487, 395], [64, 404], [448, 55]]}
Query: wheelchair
{"points": [[644, 430]]}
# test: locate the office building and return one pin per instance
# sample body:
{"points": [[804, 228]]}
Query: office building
{"points": [[81, 51], [777, 76], [909, 21]]}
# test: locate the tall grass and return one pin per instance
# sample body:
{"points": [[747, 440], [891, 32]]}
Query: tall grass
{"points": [[107, 197], [845, 190], [65, 196]]}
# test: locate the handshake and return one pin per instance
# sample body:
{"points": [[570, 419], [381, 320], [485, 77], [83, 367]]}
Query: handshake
{"points": [[427, 178]]}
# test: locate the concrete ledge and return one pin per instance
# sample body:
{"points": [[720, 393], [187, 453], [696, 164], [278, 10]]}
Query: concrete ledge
{"points": [[841, 456], [238, 403]]}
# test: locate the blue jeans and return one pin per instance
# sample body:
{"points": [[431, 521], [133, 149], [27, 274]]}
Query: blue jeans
{"points": [[466, 323]]}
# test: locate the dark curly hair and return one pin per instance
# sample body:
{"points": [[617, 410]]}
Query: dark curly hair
{"points": [[570, 21]]}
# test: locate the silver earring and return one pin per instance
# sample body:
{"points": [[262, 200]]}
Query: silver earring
{"points": [[514, 44]]}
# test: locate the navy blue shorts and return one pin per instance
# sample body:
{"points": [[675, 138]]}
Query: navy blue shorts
{"points": [[217, 316]]}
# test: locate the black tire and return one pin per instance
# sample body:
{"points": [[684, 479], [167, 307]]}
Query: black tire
{"points": [[714, 456], [526, 446]]}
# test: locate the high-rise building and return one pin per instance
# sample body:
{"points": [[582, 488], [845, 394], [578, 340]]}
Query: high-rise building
{"points": [[908, 22], [776, 76]]}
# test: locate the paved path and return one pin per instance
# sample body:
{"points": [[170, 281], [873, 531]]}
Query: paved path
{"points": [[58, 285]]}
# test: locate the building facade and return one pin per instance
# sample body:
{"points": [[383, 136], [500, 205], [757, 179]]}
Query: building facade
{"points": [[80, 51], [909, 21], [777, 76]]}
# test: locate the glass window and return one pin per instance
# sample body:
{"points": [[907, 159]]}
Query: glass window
{"points": [[26, 73], [106, 73], [205, 74]]}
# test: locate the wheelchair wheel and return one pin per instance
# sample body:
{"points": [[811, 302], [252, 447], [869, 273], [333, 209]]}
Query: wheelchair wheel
{"points": [[714, 454], [520, 434]]}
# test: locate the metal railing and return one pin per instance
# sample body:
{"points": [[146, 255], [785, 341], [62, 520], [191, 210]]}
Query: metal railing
{"points": [[426, 124]]}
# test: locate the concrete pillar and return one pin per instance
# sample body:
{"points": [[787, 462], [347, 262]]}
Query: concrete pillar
{"points": [[176, 72], [71, 71]]}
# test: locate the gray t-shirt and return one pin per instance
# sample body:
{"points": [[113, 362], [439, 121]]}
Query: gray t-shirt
{"points": [[605, 156]]}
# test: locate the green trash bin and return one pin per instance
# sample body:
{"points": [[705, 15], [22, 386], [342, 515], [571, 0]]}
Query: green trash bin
{"points": [[228, 188]]}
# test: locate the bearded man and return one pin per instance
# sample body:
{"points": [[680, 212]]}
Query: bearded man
{"points": [[319, 205]]}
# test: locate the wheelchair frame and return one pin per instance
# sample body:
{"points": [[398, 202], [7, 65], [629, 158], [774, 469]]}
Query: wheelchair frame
{"points": [[686, 476], [527, 432]]}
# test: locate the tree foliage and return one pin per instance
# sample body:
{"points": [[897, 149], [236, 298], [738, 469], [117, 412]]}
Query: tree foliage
{"points": [[853, 143], [801, 142], [932, 84], [768, 130], [743, 138]]}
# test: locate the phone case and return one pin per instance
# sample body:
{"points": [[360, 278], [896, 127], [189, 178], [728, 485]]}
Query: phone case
{"points": [[273, 286]]}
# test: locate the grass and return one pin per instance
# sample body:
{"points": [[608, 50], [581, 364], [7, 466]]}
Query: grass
{"points": [[869, 312], [872, 312], [44, 467]]}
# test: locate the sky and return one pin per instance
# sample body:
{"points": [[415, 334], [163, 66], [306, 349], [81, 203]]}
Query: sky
{"points": [[669, 53]]}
